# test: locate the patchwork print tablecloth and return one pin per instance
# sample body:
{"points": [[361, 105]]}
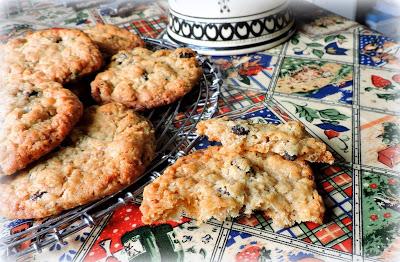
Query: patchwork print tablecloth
{"points": [[338, 78]]}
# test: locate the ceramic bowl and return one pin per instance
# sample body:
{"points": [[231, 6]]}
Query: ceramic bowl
{"points": [[229, 27]]}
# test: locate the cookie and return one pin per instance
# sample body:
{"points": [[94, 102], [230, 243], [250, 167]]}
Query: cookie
{"points": [[289, 140], [55, 54], [211, 183], [108, 149], [111, 39], [285, 190], [35, 118], [143, 79]]}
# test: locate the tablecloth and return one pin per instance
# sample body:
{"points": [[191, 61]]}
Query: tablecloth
{"points": [[340, 79]]}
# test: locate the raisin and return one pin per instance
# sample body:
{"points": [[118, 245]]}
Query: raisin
{"points": [[240, 130], [223, 191], [251, 172], [186, 55], [289, 157], [33, 93], [120, 58], [37, 195], [145, 76], [58, 40]]}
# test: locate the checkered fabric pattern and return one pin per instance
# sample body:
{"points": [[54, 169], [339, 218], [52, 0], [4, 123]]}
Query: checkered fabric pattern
{"points": [[151, 27], [230, 100], [233, 99]]}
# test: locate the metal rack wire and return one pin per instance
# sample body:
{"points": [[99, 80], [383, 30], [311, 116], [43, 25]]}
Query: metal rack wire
{"points": [[174, 138]]}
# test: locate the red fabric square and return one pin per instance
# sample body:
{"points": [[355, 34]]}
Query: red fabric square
{"points": [[307, 239], [249, 221], [223, 110], [327, 186], [311, 225], [346, 221], [329, 233], [342, 179], [257, 99], [332, 170], [345, 246], [349, 191]]}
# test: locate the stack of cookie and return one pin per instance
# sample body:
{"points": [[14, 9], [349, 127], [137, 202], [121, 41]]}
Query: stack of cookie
{"points": [[54, 153], [258, 167]]}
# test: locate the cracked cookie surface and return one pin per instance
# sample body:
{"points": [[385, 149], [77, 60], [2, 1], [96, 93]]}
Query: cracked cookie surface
{"points": [[55, 54], [143, 79], [108, 149], [34, 119], [111, 39], [211, 183], [289, 140]]}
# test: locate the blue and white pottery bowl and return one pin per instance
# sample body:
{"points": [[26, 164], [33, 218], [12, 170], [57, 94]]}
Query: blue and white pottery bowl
{"points": [[229, 27]]}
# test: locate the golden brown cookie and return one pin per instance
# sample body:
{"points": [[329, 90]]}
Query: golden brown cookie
{"points": [[289, 140], [143, 79], [55, 54], [111, 39], [109, 148], [212, 183], [34, 118]]}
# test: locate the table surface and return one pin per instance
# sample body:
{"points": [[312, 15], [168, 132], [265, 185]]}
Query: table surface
{"points": [[340, 79]]}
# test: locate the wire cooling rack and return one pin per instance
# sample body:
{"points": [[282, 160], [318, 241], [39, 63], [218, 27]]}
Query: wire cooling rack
{"points": [[174, 126]]}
